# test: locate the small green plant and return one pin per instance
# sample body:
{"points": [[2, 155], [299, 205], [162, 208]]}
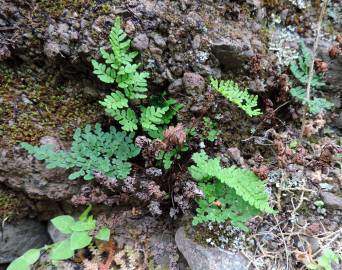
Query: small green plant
{"points": [[211, 130], [324, 262], [229, 193], [240, 97], [91, 151], [120, 70], [80, 236], [300, 71]]}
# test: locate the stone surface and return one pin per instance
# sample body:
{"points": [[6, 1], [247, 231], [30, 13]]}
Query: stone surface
{"points": [[194, 83], [19, 237], [205, 258], [331, 200], [23, 172], [140, 42], [231, 53]]}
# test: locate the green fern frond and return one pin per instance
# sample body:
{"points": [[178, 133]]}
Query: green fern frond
{"points": [[91, 151], [119, 67], [231, 91], [152, 116], [104, 73], [115, 101], [240, 193], [127, 118]]}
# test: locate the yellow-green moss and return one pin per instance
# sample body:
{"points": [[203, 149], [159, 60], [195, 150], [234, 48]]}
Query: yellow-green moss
{"points": [[10, 205], [31, 108], [56, 7]]}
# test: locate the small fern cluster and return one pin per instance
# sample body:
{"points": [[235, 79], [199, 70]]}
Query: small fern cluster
{"points": [[120, 69], [91, 151], [231, 91], [229, 193], [300, 70]]}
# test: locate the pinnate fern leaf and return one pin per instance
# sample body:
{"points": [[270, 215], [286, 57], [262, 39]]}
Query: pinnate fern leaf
{"points": [[91, 151], [127, 118], [115, 101], [230, 193], [152, 116], [231, 91]]}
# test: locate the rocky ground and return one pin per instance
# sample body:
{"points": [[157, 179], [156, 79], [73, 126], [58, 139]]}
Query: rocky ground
{"points": [[47, 89]]}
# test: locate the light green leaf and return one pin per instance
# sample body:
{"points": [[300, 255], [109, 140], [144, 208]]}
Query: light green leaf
{"points": [[79, 240], [63, 223], [103, 234], [31, 256], [85, 213], [19, 264], [81, 226], [61, 251]]}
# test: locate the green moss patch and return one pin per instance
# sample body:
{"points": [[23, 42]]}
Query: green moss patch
{"points": [[31, 107]]}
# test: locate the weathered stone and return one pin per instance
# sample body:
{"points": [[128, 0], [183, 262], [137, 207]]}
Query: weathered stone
{"points": [[194, 83], [338, 121], [22, 172], [231, 53], [331, 200], [176, 86], [19, 237], [205, 258], [141, 42]]}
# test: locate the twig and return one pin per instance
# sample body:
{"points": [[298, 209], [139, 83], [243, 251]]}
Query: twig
{"points": [[311, 72], [109, 260]]}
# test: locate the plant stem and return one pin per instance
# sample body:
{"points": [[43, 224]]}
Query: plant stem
{"points": [[311, 72]]}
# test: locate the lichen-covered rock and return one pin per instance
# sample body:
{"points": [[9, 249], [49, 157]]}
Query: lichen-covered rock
{"points": [[18, 237], [205, 258], [194, 84]]}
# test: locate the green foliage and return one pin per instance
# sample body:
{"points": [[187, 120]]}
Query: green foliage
{"points": [[79, 233], [300, 70], [324, 262], [232, 92], [91, 151], [211, 130], [120, 70], [229, 193], [152, 116], [168, 157]]}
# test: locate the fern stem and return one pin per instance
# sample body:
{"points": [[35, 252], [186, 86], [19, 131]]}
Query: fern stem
{"points": [[311, 72]]}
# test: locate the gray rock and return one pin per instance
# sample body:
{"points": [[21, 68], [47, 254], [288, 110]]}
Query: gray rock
{"points": [[176, 86], [331, 200], [338, 121], [159, 40], [205, 258], [19, 237], [140, 42], [231, 53], [194, 83], [23, 172]]}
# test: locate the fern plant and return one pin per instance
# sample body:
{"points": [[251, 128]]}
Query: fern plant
{"points": [[120, 70], [240, 97], [91, 151], [80, 236], [325, 261], [229, 193], [300, 71]]}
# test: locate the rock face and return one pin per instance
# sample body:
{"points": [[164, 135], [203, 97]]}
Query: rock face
{"points": [[22, 172], [203, 258], [18, 237], [331, 200]]}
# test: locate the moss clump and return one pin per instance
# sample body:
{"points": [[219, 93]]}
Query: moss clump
{"points": [[10, 205], [56, 7], [32, 107]]}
